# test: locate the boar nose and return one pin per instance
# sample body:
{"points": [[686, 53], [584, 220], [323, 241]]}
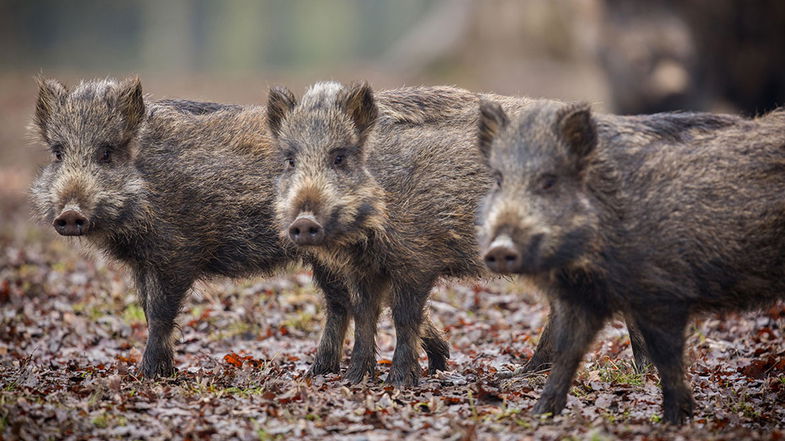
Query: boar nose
{"points": [[306, 231], [502, 257], [71, 223]]}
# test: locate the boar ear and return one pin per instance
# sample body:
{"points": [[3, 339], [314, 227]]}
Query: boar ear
{"points": [[359, 104], [130, 102], [51, 93], [280, 101], [492, 120], [577, 129]]}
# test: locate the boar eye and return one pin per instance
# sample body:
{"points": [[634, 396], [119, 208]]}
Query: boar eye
{"points": [[339, 159], [105, 153], [499, 178], [57, 151], [289, 162], [547, 182]]}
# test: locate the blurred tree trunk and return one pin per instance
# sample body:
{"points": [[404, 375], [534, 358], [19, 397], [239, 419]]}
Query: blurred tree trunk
{"points": [[166, 42]]}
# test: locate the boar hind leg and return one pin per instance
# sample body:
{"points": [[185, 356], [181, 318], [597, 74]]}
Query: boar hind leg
{"points": [[328, 356], [161, 299], [574, 328], [408, 313], [366, 307], [541, 360], [435, 346], [638, 345], [664, 336]]}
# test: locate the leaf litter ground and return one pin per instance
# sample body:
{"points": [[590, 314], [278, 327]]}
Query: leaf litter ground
{"points": [[71, 336]]}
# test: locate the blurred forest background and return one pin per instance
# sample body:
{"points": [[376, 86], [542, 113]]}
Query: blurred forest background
{"points": [[626, 56], [71, 329]]}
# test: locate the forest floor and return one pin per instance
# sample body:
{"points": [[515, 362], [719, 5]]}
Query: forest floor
{"points": [[71, 336]]}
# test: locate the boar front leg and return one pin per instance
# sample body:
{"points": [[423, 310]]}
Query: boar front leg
{"points": [[543, 355], [338, 304], [436, 347], [663, 332], [366, 307], [408, 305], [161, 298], [574, 329]]}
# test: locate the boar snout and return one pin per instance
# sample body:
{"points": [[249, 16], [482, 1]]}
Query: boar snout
{"points": [[71, 223], [305, 230], [502, 257]]}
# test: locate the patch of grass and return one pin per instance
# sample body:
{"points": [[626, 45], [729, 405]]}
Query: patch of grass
{"points": [[579, 391], [133, 314], [598, 436], [313, 417], [620, 372], [205, 388], [197, 311], [506, 412], [201, 388], [88, 310], [101, 421], [656, 418], [472, 404], [242, 391], [304, 321], [237, 328], [11, 386], [264, 436], [743, 406]]}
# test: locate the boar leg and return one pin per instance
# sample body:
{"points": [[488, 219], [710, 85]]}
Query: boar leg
{"points": [[574, 328], [366, 307], [541, 360], [664, 336], [543, 354], [161, 298], [408, 313], [638, 345], [435, 346], [337, 301]]}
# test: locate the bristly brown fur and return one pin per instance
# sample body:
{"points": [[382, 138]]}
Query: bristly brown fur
{"points": [[492, 121], [654, 217], [397, 207], [186, 195]]}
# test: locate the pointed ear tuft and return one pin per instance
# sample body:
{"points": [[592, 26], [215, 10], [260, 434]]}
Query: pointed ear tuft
{"points": [[130, 102], [51, 94], [280, 101], [358, 102], [576, 126], [492, 120]]}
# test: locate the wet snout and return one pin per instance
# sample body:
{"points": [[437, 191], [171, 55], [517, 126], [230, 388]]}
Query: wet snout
{"points": [[306, 230], [71, 222], [502, 256]]}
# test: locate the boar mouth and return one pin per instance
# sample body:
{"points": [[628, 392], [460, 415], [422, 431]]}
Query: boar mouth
{"points": [[537, 258]]}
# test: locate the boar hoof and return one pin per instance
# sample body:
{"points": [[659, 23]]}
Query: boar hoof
{"points": [[323, 368], [403, 377], [356, 372], [678, 411], [436, 363], [153, 370], [549, 404], [536, 365]]}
